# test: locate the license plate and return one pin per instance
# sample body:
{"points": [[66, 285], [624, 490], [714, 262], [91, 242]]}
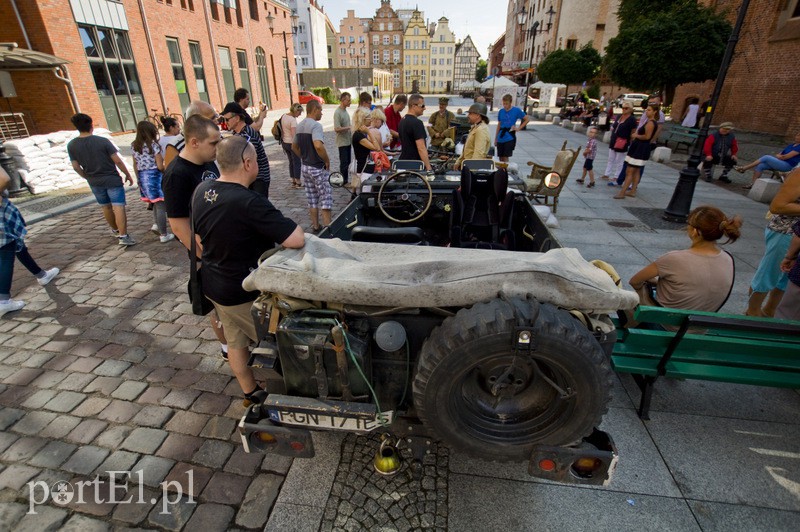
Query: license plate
{"points": [[328, 422]]}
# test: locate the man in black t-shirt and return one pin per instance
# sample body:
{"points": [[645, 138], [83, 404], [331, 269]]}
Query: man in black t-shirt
{"points": [[236, 226], [412, 132]]}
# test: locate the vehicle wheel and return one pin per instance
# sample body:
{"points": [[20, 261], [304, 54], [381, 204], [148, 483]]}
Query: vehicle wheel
{"points": [[472, 393]]}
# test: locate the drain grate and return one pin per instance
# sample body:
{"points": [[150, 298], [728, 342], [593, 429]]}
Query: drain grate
{"points": [[630, 225], [652, 217]]}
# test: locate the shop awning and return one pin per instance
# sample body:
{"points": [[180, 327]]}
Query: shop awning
{"points": [[12, 57]]}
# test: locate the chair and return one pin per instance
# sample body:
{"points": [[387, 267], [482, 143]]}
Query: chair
{"points": [[414, 166], [562, 165], [482, 210]]}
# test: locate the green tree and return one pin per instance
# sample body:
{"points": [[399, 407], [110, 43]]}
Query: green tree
{"points": [[480, 70], [570, 66], [681, 44]]}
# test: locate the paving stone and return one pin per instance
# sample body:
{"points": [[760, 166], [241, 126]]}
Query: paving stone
{"points": [[85, 364], [144, 440], [152, 416], [58, 346], [39, 399], [16, 475], [114, 436], [211, 403], [242, 463], [137, 372], [14, 395], [210, 517], [104, 385], [39, 360], [53, 454], [10, 513], [161, 374], [184, 378], [91, 407], [87, 430], [180, 447], [187, 479], [86, 349], [151, 470], [136, 511], [225, 488], [117, 461], [85, 460], [180, 398], [119, 411], [23, 449], [45, 518], [175, 516], [111, 368], [114, 351], [60, 427], [76, 381], [48, 379], [219, 428], [65, 401], [97, 496], [187, 423], [129, 390], [213, 453], [258, 501], [9, 416], [276, 463], [153, 395], [210, 364], [33, 422], [24, 376], [80, 523]]}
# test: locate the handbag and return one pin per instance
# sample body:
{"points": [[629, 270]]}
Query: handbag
{"points": [[620, 143], [201, 305]]}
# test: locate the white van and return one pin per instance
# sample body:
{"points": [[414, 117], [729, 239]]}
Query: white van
{"points": [[633, 98]]}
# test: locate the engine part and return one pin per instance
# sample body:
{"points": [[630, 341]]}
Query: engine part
{"points": [[390, 336]]}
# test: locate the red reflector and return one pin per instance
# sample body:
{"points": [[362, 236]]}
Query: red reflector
{"points": [[547, 465], [297, 446]]}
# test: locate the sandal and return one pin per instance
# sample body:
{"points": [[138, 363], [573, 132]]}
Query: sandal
{"points": [[579, 181], [739, 169], [619, 197], [590, 185], [603, 177], [630, 194]]}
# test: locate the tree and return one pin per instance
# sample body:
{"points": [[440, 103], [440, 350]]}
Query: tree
{"points": [[480, 70], [683, 43], [570, 66]]}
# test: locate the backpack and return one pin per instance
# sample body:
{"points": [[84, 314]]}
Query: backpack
{"points": [[277, 130]]}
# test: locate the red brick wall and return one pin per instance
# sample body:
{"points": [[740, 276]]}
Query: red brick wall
{"points": [[52, 29], [762, 82]]}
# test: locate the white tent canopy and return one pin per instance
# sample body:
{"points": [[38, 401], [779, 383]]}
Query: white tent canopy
{"points": [[543, 85], [498, 81], [471, 84]]}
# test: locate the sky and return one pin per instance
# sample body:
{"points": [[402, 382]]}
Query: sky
{"points": [[467, 17]]}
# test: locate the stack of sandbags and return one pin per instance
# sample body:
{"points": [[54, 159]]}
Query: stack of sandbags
{"points": [[43, 162]]}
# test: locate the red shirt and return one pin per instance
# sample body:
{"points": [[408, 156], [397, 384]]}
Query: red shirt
{"points": [[392, 122]]}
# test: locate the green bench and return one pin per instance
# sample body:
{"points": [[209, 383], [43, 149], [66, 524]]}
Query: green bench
{"points": [[679, 135], [707, 346]]}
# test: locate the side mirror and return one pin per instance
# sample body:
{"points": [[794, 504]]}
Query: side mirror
{"points": [[336, 179], [552, 180]]}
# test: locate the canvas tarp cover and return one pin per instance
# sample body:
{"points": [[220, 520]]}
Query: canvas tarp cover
{"points": [[366, 273]]}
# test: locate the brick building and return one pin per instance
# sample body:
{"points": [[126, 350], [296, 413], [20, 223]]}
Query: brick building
{"points": [[762, 81], [353, 47], [129, 56], [386, 37]]}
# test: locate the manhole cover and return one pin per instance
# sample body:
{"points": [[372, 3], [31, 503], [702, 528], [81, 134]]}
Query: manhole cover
{"points": [[653, 218], [630, 225], [616, 223]]}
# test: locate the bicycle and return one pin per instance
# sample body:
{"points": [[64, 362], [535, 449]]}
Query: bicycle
{"points": [[155, 118]]}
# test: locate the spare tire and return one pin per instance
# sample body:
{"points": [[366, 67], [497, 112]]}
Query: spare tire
{"points": [[477, 396]]}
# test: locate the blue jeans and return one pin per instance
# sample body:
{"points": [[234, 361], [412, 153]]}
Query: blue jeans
{"points": [[768, 162], [7, 255], [109, 195]]}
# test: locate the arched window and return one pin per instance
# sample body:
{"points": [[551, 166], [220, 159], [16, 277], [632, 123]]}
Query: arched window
{"points": [[263, 77]]}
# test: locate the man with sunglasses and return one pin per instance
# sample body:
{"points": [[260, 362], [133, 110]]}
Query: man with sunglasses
{"points": [[236, 226], [234, 115], [412, 133]]}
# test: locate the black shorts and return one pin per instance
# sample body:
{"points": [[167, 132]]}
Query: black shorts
{"points": [[588, 164], [505, 149]]}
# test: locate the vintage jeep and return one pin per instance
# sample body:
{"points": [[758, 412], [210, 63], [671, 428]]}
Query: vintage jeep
{"points": [[429, 310]]}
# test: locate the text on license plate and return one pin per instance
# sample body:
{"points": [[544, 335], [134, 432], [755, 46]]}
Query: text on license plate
{"points": [[325, 421]]}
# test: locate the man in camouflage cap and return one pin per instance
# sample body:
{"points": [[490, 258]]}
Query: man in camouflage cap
{"points": [[439, 124]]}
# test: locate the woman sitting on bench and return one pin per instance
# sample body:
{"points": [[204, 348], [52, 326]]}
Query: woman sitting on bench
{"points": [[698, 278], [784, 161]]}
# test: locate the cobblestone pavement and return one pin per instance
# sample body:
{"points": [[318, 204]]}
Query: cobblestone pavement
{"points": [[106, 369]]}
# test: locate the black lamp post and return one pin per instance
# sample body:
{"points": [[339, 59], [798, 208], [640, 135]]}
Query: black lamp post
{"points": [[522, 19], [358, 67], [681, 202], [271, 21]]}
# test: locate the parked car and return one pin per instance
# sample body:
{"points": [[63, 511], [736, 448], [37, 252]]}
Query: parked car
{"points": [[305, 96], [633, 98], [570, 100]]}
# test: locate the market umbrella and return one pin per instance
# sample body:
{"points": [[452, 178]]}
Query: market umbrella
{"points": [[498, 82]]}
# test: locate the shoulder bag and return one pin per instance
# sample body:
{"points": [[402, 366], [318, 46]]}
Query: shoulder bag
{"points": [[201, 305]]}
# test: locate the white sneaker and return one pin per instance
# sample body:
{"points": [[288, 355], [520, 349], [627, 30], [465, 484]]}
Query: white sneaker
{"points": [[10, 305], [125, 240], [154, 229], [166, 238], [49, 275]]}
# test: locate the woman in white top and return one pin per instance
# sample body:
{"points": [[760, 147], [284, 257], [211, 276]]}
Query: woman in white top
{"points": [[386, 135], [691, 112], [289, 127]]}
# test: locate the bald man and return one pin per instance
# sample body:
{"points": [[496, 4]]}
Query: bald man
{"points": [[197, 107]]}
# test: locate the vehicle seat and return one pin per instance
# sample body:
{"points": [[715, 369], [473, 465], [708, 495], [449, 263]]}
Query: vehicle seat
{"points": [[389, 235], [482, 210], [414, 166]]}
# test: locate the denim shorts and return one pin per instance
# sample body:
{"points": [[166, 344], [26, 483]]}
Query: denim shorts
{"points": [[109, 195]]}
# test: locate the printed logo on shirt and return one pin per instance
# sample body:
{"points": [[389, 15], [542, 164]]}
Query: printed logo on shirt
{"points": [[211, 195], [208, 174]]}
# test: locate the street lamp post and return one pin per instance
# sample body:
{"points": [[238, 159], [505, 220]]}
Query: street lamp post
{"points": [[681, 201], [522, 19], [271, 21], [358, 68]]}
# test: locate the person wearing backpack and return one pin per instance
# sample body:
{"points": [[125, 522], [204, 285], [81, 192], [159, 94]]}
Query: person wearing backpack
{"points": [[284, 130]]}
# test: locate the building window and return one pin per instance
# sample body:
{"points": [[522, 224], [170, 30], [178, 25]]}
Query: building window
{"points": [[341, 40], [342, 51], [380, 26], [199, 72], [361, 39], [416, 31], [352, 39], [796, 12], [385, 40], [375, 40], [304, 61], [572, 44], [244, 75], [376, 57], [263, 76], [433, 61], [178, 73], [253, 9], [343, 62], [390, 26], [396, 76], [396, 56], [287, 76], [227, 71]]}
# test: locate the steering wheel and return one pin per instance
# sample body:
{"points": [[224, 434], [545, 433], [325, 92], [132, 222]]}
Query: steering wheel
{"points": [[401, 199]]}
